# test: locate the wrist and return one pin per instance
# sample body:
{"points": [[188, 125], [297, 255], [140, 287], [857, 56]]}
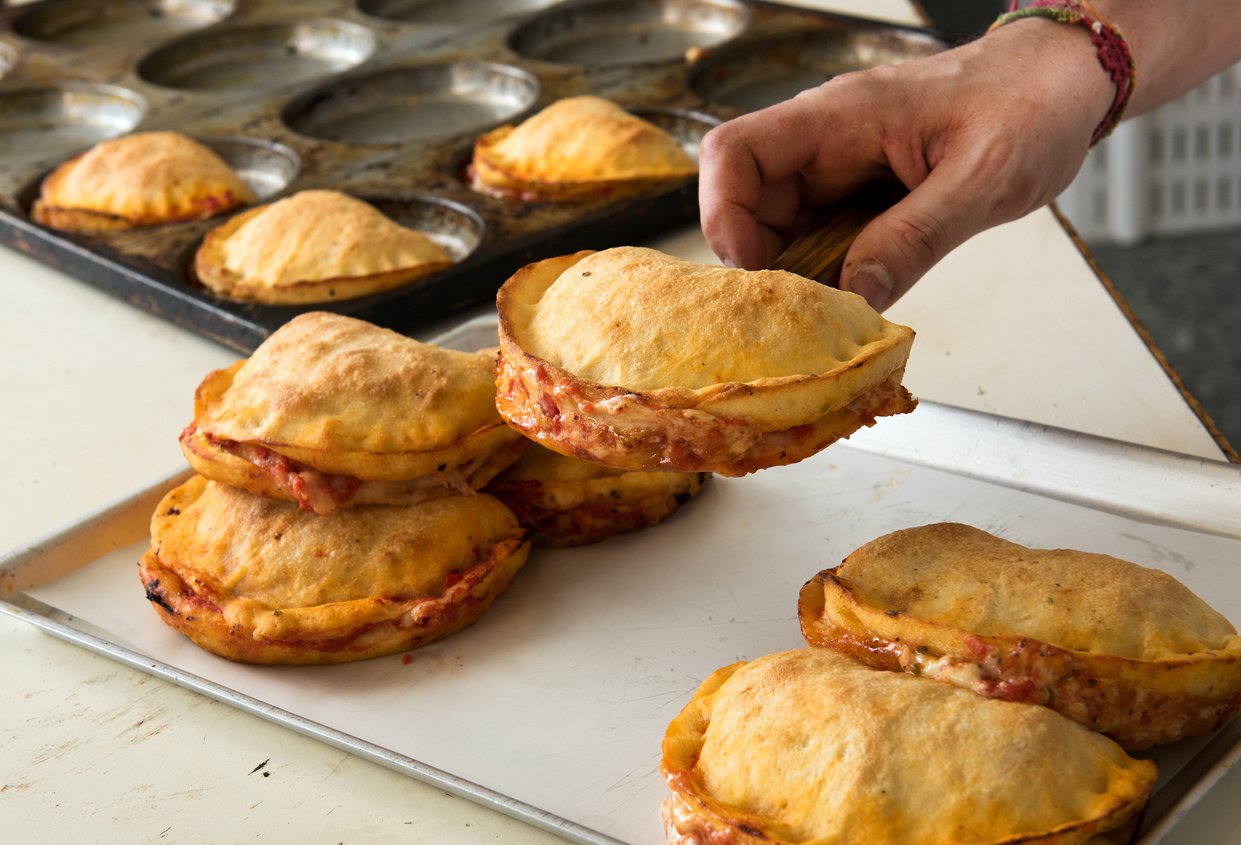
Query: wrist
{"points": [[1086, 57]]}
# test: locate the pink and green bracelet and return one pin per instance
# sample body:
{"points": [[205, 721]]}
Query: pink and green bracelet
{"points": [[1111, 47]]}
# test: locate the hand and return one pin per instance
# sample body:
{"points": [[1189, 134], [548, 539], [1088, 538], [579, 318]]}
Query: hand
{"points": [[980, 135]]}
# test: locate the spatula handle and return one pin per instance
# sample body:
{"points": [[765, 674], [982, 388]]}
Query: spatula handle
{"points": [[819, 251]]}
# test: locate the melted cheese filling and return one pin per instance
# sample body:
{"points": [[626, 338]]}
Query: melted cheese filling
{"points": [[1036, 673], [505, 188], [323, 492], [683, 826], [621, 425], [624, 430]]}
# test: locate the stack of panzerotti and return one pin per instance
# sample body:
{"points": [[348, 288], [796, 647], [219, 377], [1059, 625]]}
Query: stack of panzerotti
{"points": [[337, 512], [334, 516], [959, 688]]}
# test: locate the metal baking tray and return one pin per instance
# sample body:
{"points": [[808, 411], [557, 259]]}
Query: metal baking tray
{"points": [[383, 99], [552, 707]]}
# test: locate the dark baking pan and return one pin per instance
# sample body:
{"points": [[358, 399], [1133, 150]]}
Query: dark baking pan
{"points": [[383, 99]]}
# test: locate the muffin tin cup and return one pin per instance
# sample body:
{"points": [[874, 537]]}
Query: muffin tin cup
{"points": [[451, 12], [413, 105], [686, 127], [770, 70], [259, 56], [90, 23], [383, 100], [64, 118], [265, 166], [628, 32]]}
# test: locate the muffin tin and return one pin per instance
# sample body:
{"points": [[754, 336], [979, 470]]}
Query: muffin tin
{"points": [[383, 99]]}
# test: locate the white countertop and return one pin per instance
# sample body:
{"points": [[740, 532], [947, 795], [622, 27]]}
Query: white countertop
{"points": [[95, 393]]}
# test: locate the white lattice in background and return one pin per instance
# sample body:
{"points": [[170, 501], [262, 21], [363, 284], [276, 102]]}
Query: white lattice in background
{"points": [[1176, 169]]}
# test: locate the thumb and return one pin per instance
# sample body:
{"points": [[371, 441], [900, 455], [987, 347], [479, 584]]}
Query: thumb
{"points": [[903, 243]]}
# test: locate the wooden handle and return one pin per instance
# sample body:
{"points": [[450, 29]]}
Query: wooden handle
{"points": [[819, 251]]}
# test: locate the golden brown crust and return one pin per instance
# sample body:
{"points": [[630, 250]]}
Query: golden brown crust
{"points": [[577, 148], [345, 398], [85, 222], [137, 180], [314, 246], [567, 502], [810, 746], [259, 581], [637, 360], [1126, 650]]}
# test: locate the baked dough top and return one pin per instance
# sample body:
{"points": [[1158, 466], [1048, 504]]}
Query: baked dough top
{"points": [[585, 139], [334, 383], [964, 577], [316, 235], [271, 552], [146, 177], [817, 747], [636, 318]]}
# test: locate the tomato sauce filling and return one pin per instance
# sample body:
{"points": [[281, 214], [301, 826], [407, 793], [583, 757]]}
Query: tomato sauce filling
{"points": [[624, 429], [322, 492], [1034, 672]]}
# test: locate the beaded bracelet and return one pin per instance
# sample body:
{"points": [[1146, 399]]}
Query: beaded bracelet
{"points": [[1113, 52]]}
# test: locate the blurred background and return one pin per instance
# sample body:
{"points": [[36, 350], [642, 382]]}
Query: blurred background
{"points": [[1158, 205]]}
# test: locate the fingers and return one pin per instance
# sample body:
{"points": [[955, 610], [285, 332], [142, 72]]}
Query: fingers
{"points": [[947, 127], [751, 192], [899, 246], [728, 189], [742, 212]]}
